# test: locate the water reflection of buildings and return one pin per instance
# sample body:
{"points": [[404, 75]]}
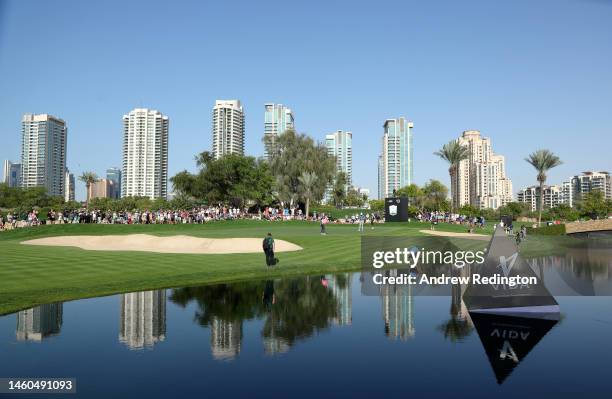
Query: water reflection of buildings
{"points": [[398, 310], [275, 345], [340, 286], [143, 318], [585, 271], [225, 338], [39, 322]]}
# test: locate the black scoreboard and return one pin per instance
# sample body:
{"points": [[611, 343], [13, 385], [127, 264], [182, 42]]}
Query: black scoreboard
{"points": [[396, 209]]}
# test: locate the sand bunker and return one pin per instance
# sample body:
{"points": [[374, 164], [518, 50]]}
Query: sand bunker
{"points": [[471, 236], [171, 244]]}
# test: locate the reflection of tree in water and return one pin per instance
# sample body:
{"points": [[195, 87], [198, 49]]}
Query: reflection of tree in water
{"points": [[303, 307], [294, 308], [459, 326], [228, 302]]}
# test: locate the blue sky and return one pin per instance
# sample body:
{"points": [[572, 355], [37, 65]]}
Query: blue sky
{"points": [[528, 74]]}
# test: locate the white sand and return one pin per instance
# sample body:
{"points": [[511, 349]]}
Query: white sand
{"points": [[472, 236], [171, 244]]}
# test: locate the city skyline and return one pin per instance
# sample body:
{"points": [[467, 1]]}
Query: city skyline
{"points": [[452, 78]]}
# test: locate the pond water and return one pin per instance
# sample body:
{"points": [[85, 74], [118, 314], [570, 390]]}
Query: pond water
{"points": [[314, 336]]}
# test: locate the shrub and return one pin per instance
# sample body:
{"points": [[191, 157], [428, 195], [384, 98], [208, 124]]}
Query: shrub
{"points": [[552, 230]]}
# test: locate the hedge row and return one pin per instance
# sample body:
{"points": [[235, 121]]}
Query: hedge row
{"points": [[552, 230]]}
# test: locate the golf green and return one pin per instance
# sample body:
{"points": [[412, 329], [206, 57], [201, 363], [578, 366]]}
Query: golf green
{"points": [[32, 275]]}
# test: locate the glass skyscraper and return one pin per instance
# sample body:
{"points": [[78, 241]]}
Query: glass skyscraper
{"points": [[114, 174], [340, 145], [396, 166], [277, 120]]}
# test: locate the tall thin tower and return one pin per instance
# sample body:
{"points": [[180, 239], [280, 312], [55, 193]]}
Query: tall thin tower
{"points": [[227, 128], [277, 120], [43, 153], [396, 166], [145, 154]]}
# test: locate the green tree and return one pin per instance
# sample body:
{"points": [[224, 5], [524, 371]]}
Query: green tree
{"points": [[355, 198], [542, 161], [594, 205], [514, 209], [415, 195], [233, 179], [435, 195], [308, 182], [377, 205], [339, 189], [291, 155], [453, 153], [88, 178], [184, 183], [468, 210], [563, 212]]}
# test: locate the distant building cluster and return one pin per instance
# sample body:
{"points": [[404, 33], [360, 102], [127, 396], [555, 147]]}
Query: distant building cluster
{"points": [[568, 192], [479, 181], [144, 170]]}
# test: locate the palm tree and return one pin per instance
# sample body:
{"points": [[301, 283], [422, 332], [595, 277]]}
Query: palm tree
{"points": [[542, 161], [88, 178], [453, 153], [308, 181]]}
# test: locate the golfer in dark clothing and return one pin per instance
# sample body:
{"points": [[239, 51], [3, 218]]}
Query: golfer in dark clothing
{"points": [[268, 247]]}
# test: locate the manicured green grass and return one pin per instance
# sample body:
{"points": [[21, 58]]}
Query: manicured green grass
{"points": [[31, 275]]}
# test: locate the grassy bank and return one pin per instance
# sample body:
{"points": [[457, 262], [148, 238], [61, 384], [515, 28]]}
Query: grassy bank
{"points": [[32, 275]]}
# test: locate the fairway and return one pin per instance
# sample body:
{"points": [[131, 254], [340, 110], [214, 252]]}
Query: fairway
{"points": [[31, 275]]}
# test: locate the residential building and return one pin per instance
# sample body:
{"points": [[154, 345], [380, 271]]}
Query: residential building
{"points": [[69, 191], [398, 310], [43, 153], [114, 174], [102, 188], [340, 145], [227, 128], [225, 338], [381, 178], [11, 174], [396, 169], [40, 322], [553, 196], [567, 196], [145, 154], [142, 322], [590, 181], [480, 180], [277, 120], [340, 287]]}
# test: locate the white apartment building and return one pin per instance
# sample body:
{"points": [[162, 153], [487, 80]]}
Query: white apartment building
{"points": [[142, 322], [145, 154], [43, 153], [69, 191], [480, 180], [227, 128], [589, 181], [277, 119]]}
